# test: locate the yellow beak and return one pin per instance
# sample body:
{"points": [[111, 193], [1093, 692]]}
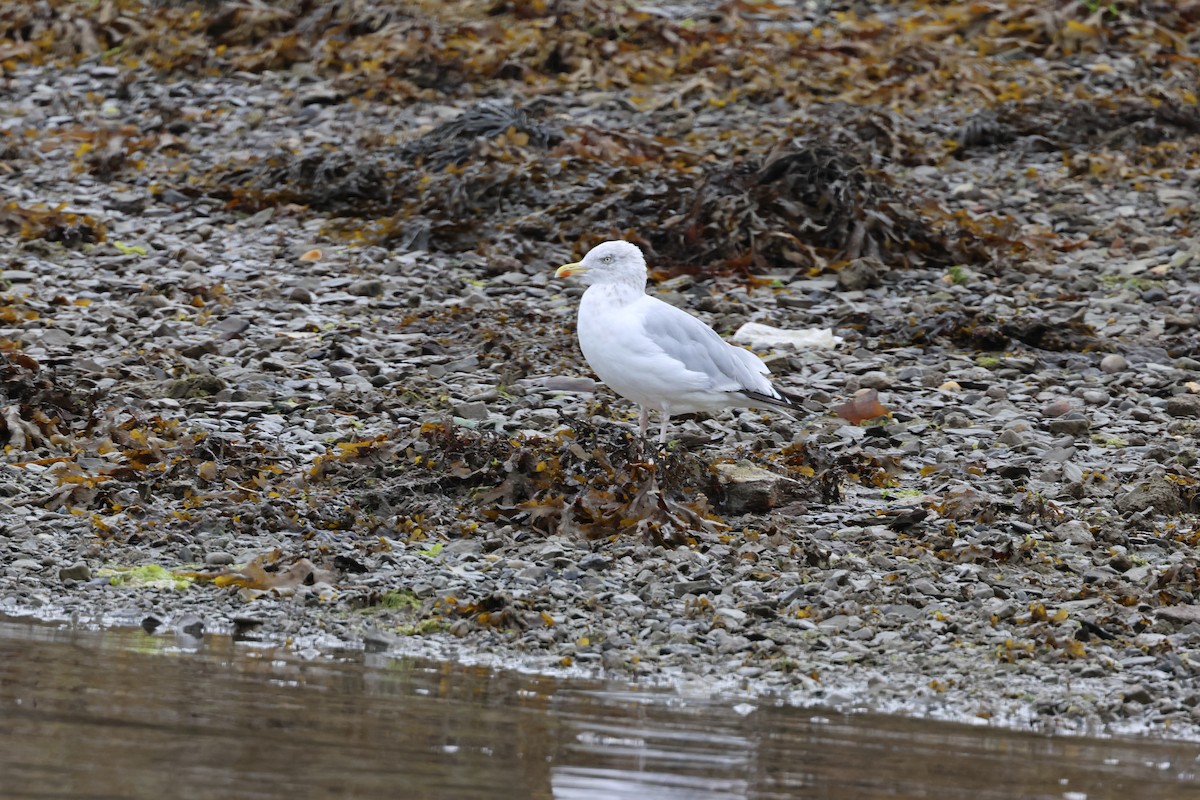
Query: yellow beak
{"points": [[567, 270]]}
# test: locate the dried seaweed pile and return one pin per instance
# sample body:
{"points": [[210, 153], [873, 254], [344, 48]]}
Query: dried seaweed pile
{"points": [[810, 179], [35, 406]]}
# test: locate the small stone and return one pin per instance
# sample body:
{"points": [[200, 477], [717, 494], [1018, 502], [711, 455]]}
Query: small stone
{"points": [[79, 571], [468, 364], [1073, 424], [1095, 397], [218, 558], [194, 387], [682, 588], [377, 641], [200, 349], [860, 274], [874, 380], [593, 561], [301, 295], [1010, 438], [748, 488], [952, 387], [1157, 494], [472, 410], [26, 564], [174, 197], [368, 287], [340, 369], [733, 617], [1113, 363], [322, 94], [1057, 408], [1184, 405], [128, 202], [1138, 694], [1075, 532], [190, 625], [232, 326], [562, 383], [1058, 455], [1180, 613]]}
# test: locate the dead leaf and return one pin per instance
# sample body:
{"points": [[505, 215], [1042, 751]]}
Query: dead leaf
{"points": [[863, 406]]}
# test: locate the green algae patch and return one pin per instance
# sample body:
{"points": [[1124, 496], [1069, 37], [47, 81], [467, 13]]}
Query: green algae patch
{"points": [[149, 576]]}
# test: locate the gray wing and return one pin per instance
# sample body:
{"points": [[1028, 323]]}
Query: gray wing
{"points": [[700, 349]]}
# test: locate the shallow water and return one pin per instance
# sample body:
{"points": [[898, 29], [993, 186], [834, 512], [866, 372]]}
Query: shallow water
{"points": [[122, 714]]}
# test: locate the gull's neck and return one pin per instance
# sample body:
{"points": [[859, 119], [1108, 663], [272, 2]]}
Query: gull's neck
{"points": [[618, 292]]}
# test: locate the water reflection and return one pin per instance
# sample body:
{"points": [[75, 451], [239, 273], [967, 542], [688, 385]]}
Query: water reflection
{"points": [[123, 714]]}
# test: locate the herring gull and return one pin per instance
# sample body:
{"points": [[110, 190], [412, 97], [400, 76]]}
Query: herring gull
{"points": [[655, 354]]}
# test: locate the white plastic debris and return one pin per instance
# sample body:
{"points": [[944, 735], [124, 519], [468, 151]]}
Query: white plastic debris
{"points": [[762, 337]]}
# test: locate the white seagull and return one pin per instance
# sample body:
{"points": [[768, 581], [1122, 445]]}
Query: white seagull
{"points": [[655, 354]]}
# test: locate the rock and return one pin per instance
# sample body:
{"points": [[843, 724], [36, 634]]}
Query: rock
{"points": [[218, 558], [127, 202], [748, 488], [706, 586], [1156, 494], [1113, 363], [340, 369], [1057, 455], [190, 625], [860, 274], [1137, 694], [26, 564], [472, 410], [1072, 424], [563, 383], [874, 380], [322, 94], [199, 350], [1010, 438], [174, 197], [593, 561], [1057, 408], [1184, 405], [232, 326], [377, 641], [301, 295], [1181, 321], [727, 644], [368, 287], [194, 387], [79, 571], [1075, 532], [1182, 613]]}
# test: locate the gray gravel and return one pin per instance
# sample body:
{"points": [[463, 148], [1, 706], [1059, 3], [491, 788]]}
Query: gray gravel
{"points": [[1015, 544]]}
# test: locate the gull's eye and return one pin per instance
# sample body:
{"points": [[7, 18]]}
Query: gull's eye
{"points": [[607, 259]]}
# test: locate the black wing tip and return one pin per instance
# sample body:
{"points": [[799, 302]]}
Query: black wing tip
{"points": [[786, 401]]}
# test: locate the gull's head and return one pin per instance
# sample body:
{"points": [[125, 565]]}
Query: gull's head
{"points": [[611, 262]]}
